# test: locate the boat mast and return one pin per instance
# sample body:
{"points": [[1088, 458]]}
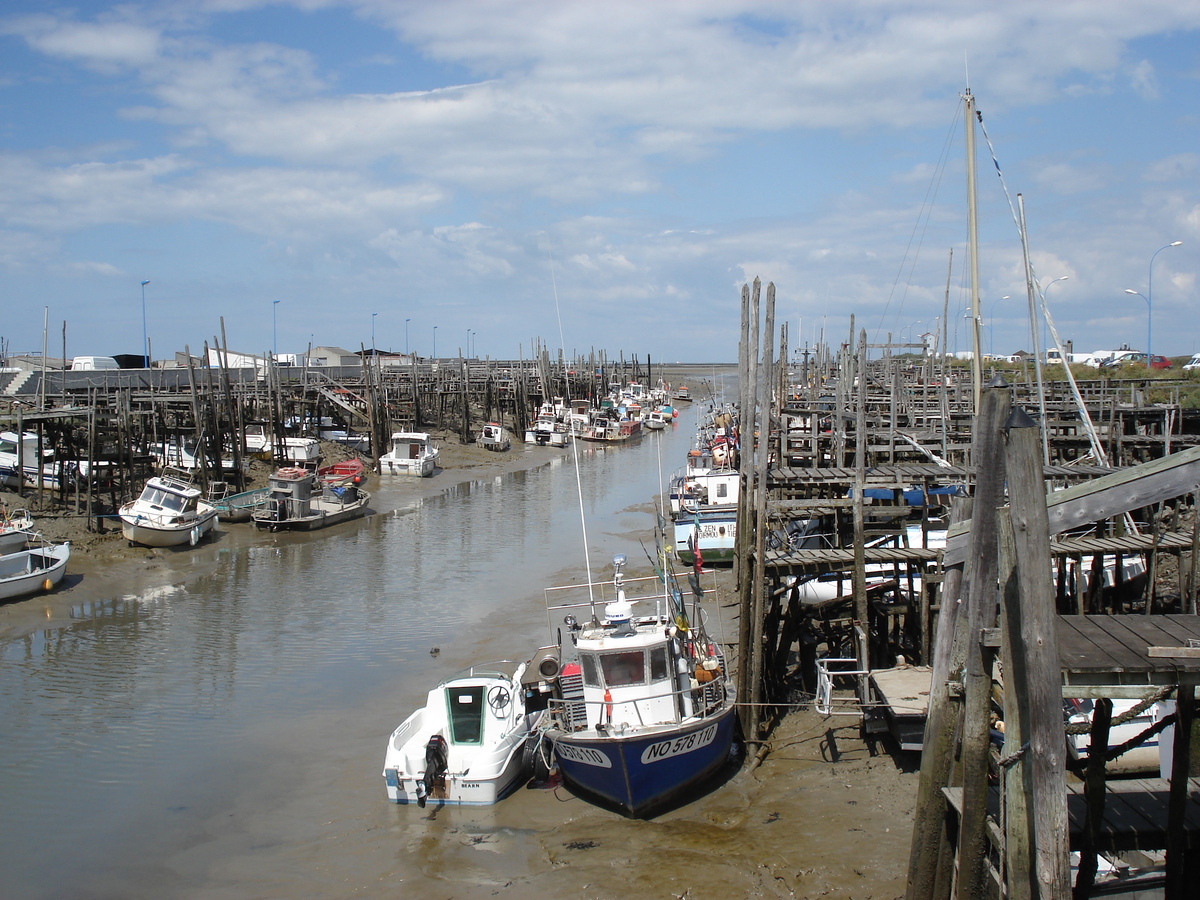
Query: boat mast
{"points": [[973, 246]]}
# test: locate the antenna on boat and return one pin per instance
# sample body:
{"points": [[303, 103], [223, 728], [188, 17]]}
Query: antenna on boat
{"points": [[562, 343]]}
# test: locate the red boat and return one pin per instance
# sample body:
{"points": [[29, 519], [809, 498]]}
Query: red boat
{"points": [[349, 471]]}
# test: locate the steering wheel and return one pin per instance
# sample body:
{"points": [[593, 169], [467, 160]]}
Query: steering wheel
{"points": [[498, 698]]}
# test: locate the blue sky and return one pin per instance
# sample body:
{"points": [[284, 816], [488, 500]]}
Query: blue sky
{"points": [[489, 168]]}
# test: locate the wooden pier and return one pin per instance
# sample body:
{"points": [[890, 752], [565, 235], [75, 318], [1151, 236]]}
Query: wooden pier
{"points": [[1070, 503]]}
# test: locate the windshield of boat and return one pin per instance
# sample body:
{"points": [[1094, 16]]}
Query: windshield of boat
{"points": [[164, 499], [466, 714], [625, 667]]}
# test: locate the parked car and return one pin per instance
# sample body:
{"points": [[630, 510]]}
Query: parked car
{"points": [[1136, 359], [1193, 363]]}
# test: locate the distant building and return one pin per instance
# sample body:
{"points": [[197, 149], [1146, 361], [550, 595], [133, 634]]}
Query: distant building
{"points": [[333, 356]]}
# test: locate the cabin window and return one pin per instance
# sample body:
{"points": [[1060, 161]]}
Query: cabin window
{"points": [[626, 667], [591, 670], [659, 670], [466, 714], [722, 489]]}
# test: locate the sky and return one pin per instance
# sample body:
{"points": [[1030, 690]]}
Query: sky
{"points": [[494, 177]]}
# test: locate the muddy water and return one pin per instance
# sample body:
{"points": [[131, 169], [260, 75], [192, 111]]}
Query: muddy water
{"points": [[223, 736]]}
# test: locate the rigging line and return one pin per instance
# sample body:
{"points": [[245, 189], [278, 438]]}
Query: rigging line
{"points": [[562, 343], [921, 225], [1093, 437]]}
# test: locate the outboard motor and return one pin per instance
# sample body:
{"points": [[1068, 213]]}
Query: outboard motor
{"points": [[436, 762]]}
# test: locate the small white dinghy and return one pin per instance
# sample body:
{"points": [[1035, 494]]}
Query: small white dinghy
{"points": [[466, 746], [29, 571]]}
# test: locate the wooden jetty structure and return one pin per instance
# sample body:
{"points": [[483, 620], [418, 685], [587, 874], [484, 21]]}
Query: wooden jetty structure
{"points": [[103, 427], [1068, 503]]}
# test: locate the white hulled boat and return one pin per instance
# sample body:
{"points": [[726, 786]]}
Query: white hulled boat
{"points": [[36, 569], [170, 511], [467, 744], [412, 453]]}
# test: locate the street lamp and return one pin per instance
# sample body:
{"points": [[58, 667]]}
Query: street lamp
{"points": [[373, 315], [1042, 294], [406, 321], [145, 340], [1147, 297], [274, 332], [434, 342]]}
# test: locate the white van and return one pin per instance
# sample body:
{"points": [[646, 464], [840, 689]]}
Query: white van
{"points": [[91, 363], [1193, 363]]}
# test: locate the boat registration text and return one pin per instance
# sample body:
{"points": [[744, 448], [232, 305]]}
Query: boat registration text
{"points": [[678, 746], [589, 756]]}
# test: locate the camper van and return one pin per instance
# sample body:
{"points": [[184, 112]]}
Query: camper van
{"points": [[92, 363]]}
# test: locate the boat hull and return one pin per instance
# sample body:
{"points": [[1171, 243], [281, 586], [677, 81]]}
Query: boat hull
{"points": [[416, 468], [482, 743], [642, 773], [322, 515], [715, 536], [29, 571], [149, 533]]}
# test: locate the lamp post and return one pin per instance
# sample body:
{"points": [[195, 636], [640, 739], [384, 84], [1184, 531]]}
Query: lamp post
{"points": [[1149, 301], [274, 331], [1042, 294], [145, 339], [373, 315], [435, 342], [406, 321]]}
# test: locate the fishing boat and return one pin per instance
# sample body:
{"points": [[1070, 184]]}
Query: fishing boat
{"points": [[606, 427], [704, 514], [16, 528], [170, 511], [303, 500], [643, 711], [550, 428], [412, 453], [467, 744], [36, 569], [494, 437]]}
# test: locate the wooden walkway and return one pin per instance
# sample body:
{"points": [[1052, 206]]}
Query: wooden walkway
{"points": [[1111, 656], [1135, 814]]}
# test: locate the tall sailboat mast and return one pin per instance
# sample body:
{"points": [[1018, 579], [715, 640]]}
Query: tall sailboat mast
{"points": [[973, 247]]}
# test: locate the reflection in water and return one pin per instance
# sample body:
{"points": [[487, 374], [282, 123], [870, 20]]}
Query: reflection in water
{"points": [[154, 726]]}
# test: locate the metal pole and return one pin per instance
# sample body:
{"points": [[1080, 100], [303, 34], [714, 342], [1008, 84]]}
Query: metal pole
{"points": [[1149, 300], [274, 331], [145, 339]]}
